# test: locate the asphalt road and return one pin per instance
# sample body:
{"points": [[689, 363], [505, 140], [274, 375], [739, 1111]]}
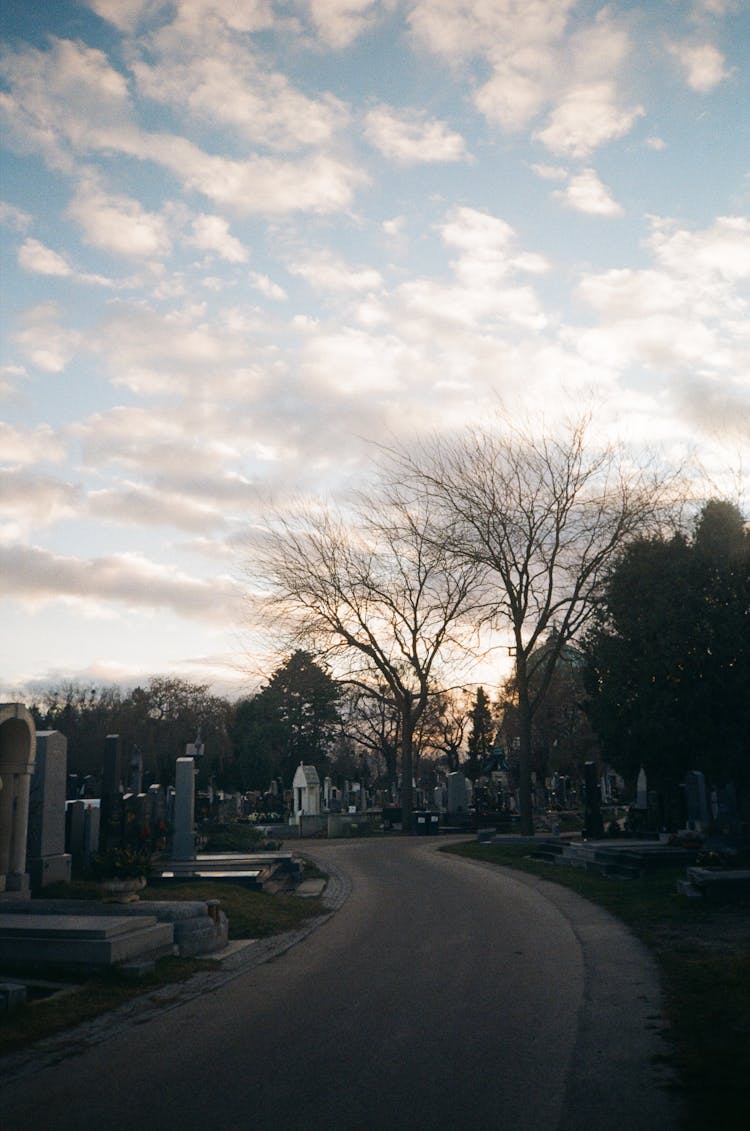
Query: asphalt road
{"points": [[442, 994]]}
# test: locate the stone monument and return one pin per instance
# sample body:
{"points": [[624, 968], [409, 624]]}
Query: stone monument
{"points": [[183, 839], [17, 758], [47, 860]]}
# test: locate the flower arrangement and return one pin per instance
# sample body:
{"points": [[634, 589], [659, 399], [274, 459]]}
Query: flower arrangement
{"points": [[123, 863]]}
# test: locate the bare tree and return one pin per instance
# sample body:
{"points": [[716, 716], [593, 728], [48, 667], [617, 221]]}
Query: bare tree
{"points": [[545, 516], [387, 601]]}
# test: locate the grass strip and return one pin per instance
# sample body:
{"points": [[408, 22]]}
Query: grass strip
{"points": [[252, 915], [707, 989]]}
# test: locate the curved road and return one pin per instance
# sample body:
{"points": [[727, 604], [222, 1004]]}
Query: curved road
{"points": [[442, 994]]}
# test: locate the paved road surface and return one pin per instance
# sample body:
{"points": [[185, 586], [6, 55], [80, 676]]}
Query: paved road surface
{"points": [[442, 994]]}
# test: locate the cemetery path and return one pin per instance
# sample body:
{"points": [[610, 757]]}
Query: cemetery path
{"points": [[442, 994]]}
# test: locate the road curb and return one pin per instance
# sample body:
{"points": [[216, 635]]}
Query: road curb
{"points": [[139, 1010]]}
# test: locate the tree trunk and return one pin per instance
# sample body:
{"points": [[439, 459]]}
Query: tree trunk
{"points": [[524, 767], [407, 768]]}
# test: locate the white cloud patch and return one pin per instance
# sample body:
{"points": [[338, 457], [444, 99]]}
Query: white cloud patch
{"points": [[339, 22], [31, 500], [328, 272], [266, 286], [61, 114], [45, 340], [119, 224], [25, 446], [538, 65], [136, 504], [412, 138], [687, 312], [222, 82], [586, 193], [702, 64], [585, 118], [16, 218], [211, 233], [37, 576], [40, 260]]}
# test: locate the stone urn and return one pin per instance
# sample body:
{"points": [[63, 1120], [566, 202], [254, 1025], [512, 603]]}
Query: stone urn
{"points": [[121, 890]]}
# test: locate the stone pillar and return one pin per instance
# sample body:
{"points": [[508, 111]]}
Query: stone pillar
{"points": [[17, 756], [47, 861], [183, 840]]}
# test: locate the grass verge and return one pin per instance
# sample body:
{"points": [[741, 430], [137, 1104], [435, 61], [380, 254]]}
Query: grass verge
{"points": [[251, 914], [705, 969]]}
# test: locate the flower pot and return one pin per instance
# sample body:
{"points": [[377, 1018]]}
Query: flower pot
{"points": [[118, 890]]}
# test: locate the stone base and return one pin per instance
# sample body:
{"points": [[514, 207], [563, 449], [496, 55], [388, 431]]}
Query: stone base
{"points": [[44, 870], [16, 886]]}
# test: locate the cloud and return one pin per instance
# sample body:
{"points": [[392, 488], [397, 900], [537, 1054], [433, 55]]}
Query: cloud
{"points": [[684, 313], [266, 286], [550, 172], [44, 340], [328, 272], [412, 138], [537, 65], [69, 101], [40, 260], [137, 504], [119, 224], [13, 217], [339, 22], [25, 446], [222, 82], [35, 575], [31, 500], [702, 64], [586, 117], [586, 193], [211, 233]]}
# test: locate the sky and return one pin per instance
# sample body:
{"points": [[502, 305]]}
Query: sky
{"points": [[243, 243]]}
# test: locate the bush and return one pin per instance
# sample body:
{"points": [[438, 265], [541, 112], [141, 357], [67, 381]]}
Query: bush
{"points": [[233, 837]]}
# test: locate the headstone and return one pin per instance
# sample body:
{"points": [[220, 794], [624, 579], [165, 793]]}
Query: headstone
{"points": [[47, 860], [458, 800], [91, 829], [110, 831], [135, 771], [183, 840], [697, 803], [641, 790], [75, 817]]}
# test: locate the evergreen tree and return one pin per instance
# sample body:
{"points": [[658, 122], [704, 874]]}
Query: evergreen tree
{"points": [[481, 734], [293, 719], [669, 658]]}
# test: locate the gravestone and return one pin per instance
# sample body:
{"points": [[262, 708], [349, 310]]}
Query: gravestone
{"points": [[697, 803], [110, 831], [91, 828], [75, 818], [47, 860], [135, 771], [458, 799], [641, 790], [183, 839]]}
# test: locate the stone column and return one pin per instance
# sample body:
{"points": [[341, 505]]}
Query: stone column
{"points": [[17, 754], [183, 840]]}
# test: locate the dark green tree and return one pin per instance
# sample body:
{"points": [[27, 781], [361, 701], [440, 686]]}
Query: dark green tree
{"points": [[669, 656], [482, 729], [293, 719]]}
